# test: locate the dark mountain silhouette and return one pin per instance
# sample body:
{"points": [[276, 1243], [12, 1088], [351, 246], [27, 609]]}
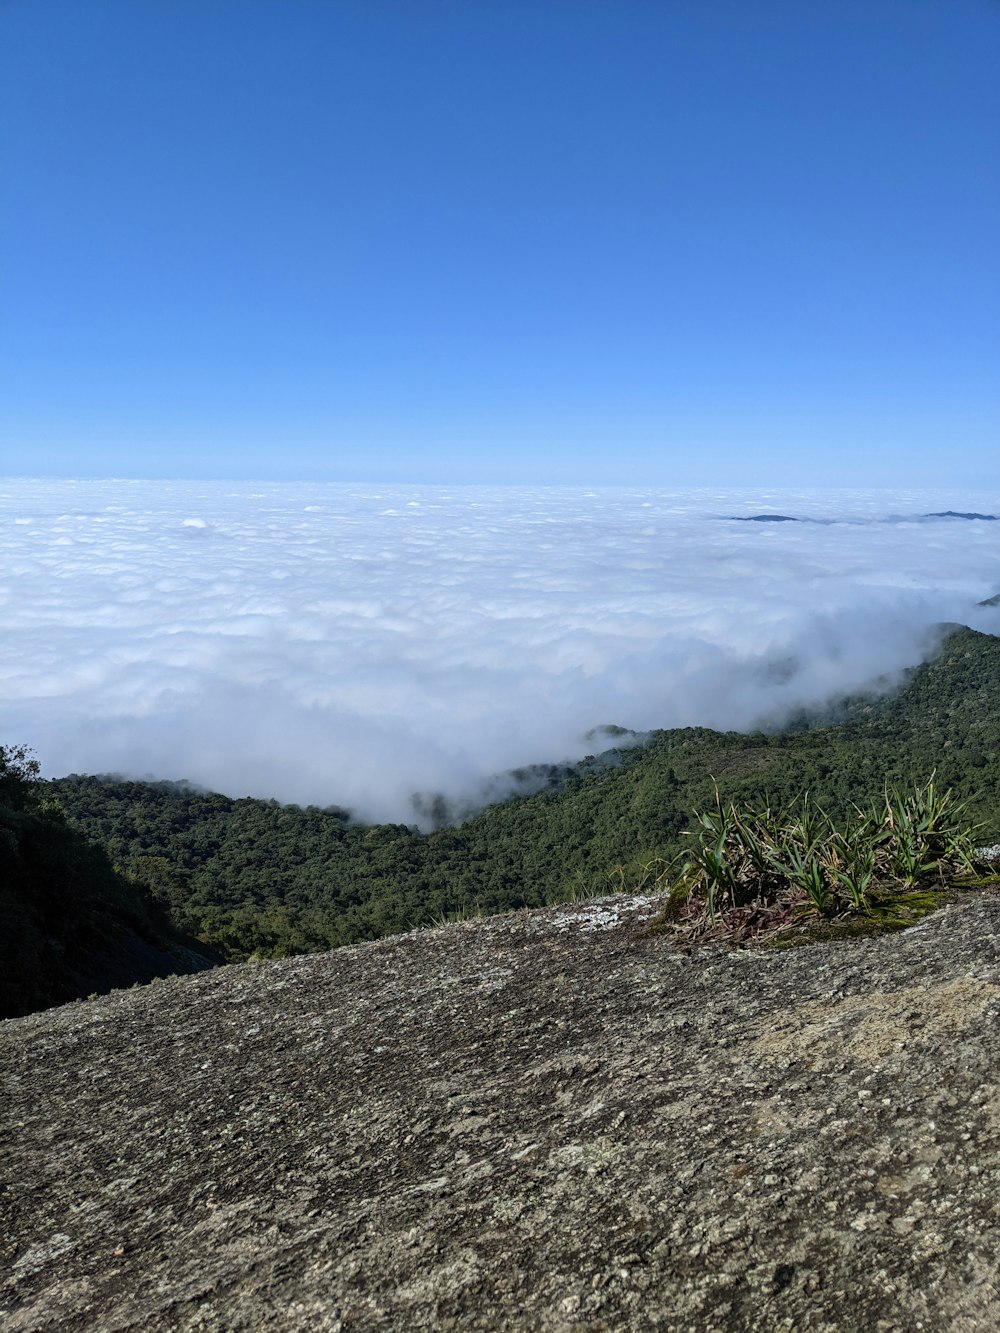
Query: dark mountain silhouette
{"points": [[765, 518], [952, 513]]}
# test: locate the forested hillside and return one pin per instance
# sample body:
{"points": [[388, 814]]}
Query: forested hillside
{"points": [[69, 923], [255, 876]]}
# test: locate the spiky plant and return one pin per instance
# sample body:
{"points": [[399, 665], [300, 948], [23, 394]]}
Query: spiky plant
{"points": [[750, 872]]}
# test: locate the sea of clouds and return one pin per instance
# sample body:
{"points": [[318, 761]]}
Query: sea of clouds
{"points": [[354, 645]]}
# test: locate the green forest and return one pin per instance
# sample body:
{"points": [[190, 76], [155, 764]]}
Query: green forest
{"points": [[252, 877], [70, 923]]}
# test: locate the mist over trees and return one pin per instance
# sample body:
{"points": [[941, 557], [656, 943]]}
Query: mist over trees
{"points": [[105, 882], [256, 877]]}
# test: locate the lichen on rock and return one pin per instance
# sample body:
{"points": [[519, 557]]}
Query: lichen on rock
{"points": [[524, 1122]]}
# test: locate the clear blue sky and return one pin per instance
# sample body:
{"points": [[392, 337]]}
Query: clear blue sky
{"points": [[539, 241]]}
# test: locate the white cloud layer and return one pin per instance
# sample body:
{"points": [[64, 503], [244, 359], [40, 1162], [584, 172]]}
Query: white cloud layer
{"points": [[353, 645]]}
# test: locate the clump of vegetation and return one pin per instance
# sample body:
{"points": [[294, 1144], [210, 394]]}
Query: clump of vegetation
{"points": [[757, 873]]}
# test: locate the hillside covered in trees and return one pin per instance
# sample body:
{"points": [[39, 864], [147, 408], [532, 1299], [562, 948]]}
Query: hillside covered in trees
{"points": [[70, 923], [251, 876]]}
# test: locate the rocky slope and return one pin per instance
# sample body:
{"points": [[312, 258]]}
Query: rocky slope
{"points": [[550, 1120]]}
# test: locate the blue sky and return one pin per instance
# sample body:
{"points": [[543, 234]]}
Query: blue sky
{"points": [[556, 241]]}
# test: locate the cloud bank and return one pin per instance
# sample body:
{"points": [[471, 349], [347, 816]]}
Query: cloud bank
{"points": [[353, 645]]}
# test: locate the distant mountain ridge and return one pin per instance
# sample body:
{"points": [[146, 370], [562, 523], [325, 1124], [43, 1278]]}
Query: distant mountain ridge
{"points": [[765, 518], [789, 518], [952, 513]]}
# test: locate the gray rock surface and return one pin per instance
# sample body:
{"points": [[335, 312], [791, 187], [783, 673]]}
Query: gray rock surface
{"points": [[550, 1120]]}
